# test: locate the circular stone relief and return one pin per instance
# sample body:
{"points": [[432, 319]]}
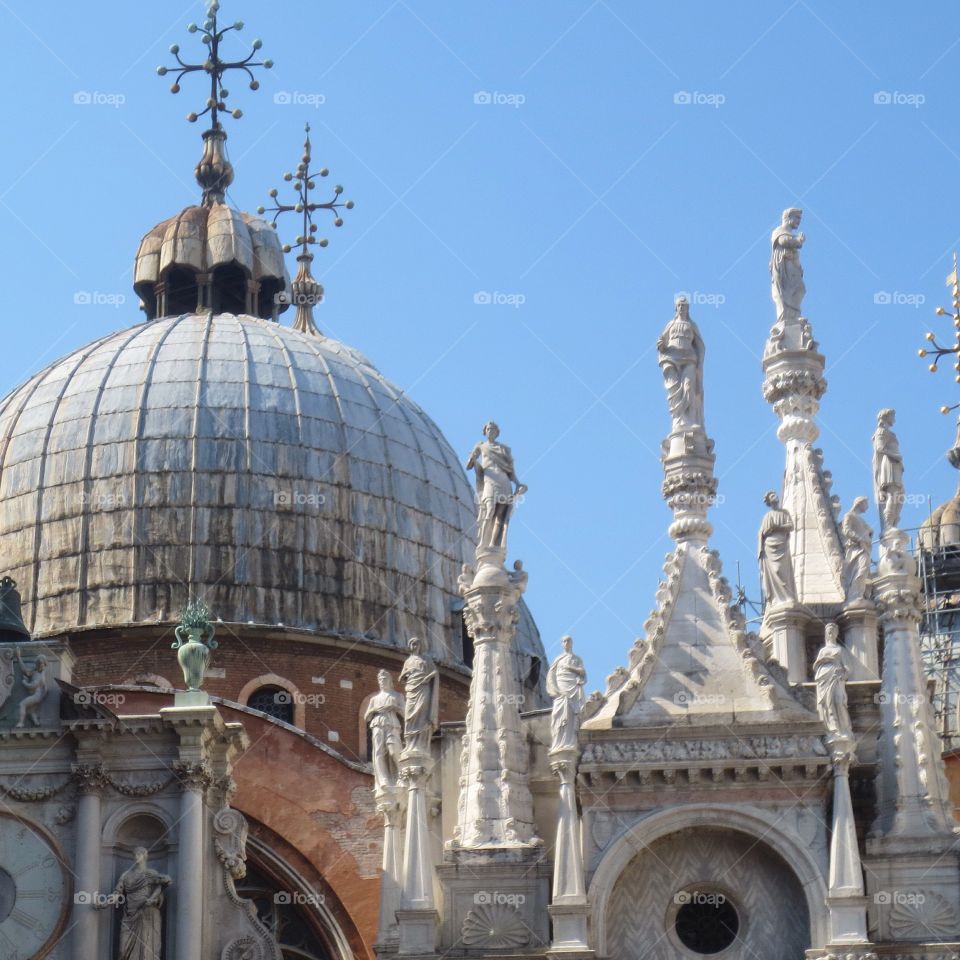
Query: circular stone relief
{"points": [[706, 922]]}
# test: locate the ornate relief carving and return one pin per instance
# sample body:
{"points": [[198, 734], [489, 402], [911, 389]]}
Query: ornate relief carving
{"points": [[231, 842], [926, 916], [243, 948], [734, 748], [494, 926]]}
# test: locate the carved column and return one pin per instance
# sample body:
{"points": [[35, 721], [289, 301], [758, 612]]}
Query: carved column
{"points": [[911, 858], [568, 907], [495, 808], [194, 779], [860, 623], [848, 906], [417, 916], [90, 782], [391, 877]]}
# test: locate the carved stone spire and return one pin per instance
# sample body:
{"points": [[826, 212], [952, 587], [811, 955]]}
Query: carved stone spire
{"points": [[696, 662], [793, 385], [495, 808]]}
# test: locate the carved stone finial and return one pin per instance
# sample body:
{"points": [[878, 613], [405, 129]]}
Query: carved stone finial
{"points": [[776, 568], [565, 682], [497, 492], [422, 689], [786, 273], [887, 471], [383, 716], [857, 539]]}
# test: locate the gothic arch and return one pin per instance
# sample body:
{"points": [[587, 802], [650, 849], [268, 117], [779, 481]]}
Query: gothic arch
{"points": [[755, 823]]}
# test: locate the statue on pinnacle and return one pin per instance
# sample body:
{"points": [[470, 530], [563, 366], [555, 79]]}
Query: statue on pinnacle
{"points": [[680, 350], [786, 272], [497, 491]]}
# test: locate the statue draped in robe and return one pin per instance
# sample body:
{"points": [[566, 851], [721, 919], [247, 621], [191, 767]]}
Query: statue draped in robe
{"points": [[786, 273], [383, 716], [681, 351], [422, 693], [857, 539], [565, 682], [139, 893], [830, 674], [887, 471], [776, 569], [497, 489]]}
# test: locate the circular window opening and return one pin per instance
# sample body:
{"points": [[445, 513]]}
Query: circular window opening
{"points": [[706, 922]]}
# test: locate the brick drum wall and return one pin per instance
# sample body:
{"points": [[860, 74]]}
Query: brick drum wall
{"points": [[333, 678]]}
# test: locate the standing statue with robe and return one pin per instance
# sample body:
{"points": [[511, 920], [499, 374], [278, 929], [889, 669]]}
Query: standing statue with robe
{"points": [[139, 894], [383, 716], [887, 471], [680, 349], [857, 539], [776, 568], [830, 674], [565, 682], [497, 489], [421, 682], [786, 273]]}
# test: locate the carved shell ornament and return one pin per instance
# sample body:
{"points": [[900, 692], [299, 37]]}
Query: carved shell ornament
{"points": [[494, 926], [924, 916]]}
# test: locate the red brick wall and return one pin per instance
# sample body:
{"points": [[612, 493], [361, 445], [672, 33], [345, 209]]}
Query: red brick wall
{"points": [[349, 673]]}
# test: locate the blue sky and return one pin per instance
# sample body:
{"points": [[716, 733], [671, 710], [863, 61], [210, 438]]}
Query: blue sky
{"points": [[535, 155]]}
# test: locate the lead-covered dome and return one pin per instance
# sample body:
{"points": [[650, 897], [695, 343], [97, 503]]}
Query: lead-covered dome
{"points": [[276, 474]]}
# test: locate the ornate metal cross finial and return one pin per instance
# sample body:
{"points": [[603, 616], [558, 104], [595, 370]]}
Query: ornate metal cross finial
{"points": [[937, 351], [214, 172], [307, 292]]}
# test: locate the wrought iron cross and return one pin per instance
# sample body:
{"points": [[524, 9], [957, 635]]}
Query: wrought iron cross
{"points": [[937, 351], [211, 34], [307, 292]]}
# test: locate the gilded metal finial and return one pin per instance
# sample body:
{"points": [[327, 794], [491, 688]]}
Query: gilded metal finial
{"points": [[307, 292], [935, 350], [214, 172]]}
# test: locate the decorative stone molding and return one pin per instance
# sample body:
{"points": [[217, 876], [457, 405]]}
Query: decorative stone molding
{"points": [[231, 841], [771, 747], [243, 948], [195, 775]]}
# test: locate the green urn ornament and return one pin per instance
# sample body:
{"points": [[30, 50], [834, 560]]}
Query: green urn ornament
{"points": [[194, 642]]}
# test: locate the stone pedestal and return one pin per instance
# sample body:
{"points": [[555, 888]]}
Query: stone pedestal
{"points": [[417, 916], [846, 902], [859, 624], [783, 634], [391, 877], [495, 900], [569, 937]]}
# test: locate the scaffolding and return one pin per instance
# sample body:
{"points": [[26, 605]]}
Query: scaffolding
{"points": [[939, 569]]}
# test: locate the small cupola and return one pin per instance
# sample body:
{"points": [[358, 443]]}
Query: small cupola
{"points": [[211, 257]]}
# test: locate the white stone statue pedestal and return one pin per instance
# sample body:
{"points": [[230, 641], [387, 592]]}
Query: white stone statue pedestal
{"points": [[417, 917], [569, 922], [848, 920], [859, 623], [783, 633]]}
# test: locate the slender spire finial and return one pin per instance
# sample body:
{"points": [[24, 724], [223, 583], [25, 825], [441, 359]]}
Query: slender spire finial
{"points": [[214, 172], [307, 292]]}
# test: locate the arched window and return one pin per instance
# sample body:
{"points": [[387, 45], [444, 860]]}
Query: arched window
{"points": [[273, 701]]}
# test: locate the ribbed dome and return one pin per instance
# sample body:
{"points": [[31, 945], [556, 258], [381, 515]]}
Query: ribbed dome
{"points": [[942, 527], [276, 474]]}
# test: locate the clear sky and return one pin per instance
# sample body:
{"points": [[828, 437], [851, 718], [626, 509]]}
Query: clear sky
{"points": [[534, 184]]}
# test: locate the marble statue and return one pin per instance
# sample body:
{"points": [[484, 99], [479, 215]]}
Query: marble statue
{"points": [[497, 488], [383, 717], [421, 682], [857, 539], [887, 471], [830, 675], [139, 894], [565, 682], [681, 350], [786, 273], [35, 683], [776, 569]]}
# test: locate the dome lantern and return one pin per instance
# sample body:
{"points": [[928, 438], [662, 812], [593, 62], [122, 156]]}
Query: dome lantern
{"points": [[211, 257]]}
